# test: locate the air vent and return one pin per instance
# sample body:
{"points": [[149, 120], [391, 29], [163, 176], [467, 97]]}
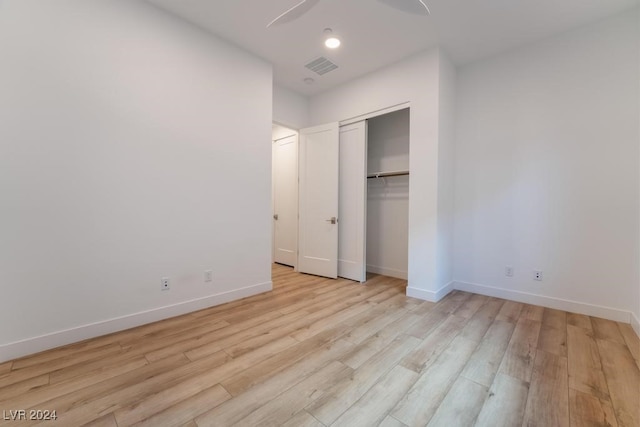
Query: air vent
{"points": [[321, 66]]}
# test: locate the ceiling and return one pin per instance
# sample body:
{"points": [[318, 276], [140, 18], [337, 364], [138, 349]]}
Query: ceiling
{"points": [[374, 35]]}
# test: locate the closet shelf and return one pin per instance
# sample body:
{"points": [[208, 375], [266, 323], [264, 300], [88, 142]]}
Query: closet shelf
{"points": [[385, 174]]}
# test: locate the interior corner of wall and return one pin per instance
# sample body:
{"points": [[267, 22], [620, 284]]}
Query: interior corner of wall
{"points": [[635, 324]]}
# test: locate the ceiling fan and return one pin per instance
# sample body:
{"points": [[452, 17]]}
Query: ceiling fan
{"points": [[415, 7]]}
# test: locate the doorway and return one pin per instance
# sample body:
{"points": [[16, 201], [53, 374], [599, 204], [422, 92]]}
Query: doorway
{"points": [[284, 195], [388, 194]]}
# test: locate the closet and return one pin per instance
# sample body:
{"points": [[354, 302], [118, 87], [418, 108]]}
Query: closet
{"points": [[353, 197], [387, 236], [374, 197]]}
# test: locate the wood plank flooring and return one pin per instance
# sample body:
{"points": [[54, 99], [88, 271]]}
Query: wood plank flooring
{"points": [[319, 352]]}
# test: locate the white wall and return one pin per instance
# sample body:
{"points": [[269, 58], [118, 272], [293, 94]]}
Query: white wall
{"points": [[413, 80], [290, 109], [547, 171], [446, 177], [388, 198], [635, 320], [124, 135]]}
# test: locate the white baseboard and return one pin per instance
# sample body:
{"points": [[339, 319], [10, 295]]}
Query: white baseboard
{"points": [[432, 296], [391, 272], [635, 324], [550, 302], [56, 339]]}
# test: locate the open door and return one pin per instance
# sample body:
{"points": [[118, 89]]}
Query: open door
{"points": [[285, 200], [318, 207], [353, 202]]}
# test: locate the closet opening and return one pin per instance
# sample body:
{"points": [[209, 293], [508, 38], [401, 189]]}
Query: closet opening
{"points": [[387, 231]]}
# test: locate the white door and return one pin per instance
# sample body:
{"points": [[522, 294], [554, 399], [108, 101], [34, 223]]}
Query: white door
{"points": [[318, 208], [285, 200], [353, 202]]}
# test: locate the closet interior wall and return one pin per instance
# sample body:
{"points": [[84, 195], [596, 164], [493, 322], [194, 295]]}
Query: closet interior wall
{"points": [[388, 198]]}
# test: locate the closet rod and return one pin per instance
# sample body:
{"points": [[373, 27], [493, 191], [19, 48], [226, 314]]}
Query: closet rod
{"points": [[385, 174]]}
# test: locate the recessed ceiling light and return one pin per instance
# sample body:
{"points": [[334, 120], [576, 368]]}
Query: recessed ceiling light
{"points": [[308, 80], [332, 42]]}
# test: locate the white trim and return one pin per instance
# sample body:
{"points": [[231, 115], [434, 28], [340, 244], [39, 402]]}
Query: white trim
{"points": [[545, 301], [376, 113], [56, 339], [391, 272], [430, 295], [635, 324]]}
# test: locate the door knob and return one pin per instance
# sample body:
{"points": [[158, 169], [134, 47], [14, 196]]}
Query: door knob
{"points": [[333, 220], [275, 216]]}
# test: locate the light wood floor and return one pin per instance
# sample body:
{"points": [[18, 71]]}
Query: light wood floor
{"points": [[320, 352]]}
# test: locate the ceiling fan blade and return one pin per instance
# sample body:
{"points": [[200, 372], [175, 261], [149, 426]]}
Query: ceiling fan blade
{"points": [[415, 7], [294, 13]]}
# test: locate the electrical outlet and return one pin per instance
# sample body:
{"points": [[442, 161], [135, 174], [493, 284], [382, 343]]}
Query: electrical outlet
{"points": [[508, 271], [164, 284], [208, 276], [537, 275]]}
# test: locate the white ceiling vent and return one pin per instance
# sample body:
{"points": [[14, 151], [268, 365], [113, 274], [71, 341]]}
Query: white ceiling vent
{"points": [[321, 66]]}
